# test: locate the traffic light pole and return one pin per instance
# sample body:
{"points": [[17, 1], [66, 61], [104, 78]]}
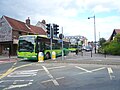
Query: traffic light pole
{"points": [[51, 39], [62, 45], [52, 31]]}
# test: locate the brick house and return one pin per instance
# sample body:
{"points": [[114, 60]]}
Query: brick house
{"points": [[11, 29]]}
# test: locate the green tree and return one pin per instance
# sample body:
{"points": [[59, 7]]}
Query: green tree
{"points": [[113, 47], [101, 41], [117, 38]]}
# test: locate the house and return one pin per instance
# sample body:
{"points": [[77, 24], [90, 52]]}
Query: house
{"points": [[11, 29], [77, 38], [115, 31], [42, 24]]}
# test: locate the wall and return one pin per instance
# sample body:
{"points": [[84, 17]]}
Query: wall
{"points": [[5, 31]]}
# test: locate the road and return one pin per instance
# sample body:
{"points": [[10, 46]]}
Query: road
{"points": [[56, 75]]}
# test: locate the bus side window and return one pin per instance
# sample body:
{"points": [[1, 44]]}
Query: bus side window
{"points": [[47, 46], [42, 46], [38, 46]]}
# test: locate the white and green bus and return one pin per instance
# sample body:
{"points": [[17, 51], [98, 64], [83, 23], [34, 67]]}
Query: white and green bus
{"points": [[30, 45], [74, 47]]}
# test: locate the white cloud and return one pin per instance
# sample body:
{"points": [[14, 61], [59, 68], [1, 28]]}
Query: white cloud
{"points": [[69, 14], [105, 25], [97, 6], [100, 8]]}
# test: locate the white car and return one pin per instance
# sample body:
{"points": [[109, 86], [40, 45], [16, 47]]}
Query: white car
{"points": [[88, 48]]}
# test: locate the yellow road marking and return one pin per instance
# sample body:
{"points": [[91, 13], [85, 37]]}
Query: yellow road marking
{"points": [[12, 69]]}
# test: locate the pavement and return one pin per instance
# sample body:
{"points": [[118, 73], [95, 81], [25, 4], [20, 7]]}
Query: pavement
{"points": [[5, 59], [84, 58]]}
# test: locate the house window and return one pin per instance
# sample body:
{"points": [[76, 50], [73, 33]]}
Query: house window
{"points": [[3, 23]]}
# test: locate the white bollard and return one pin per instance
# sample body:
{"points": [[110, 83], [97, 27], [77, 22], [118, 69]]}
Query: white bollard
{"points": [[40, 57], [53, 55]]}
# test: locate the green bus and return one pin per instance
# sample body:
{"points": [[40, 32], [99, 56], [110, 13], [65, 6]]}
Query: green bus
{"points": [[74, 47], [30, 45]]}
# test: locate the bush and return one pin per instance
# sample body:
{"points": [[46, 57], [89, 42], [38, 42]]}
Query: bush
{"points": [[112, 47]]}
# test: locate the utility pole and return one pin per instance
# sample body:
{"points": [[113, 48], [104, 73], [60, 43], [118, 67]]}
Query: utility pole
{"points": [[51, 37], [94, 31], [62, 45], [50, 34]]}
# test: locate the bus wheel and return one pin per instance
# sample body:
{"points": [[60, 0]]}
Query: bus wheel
{"points": [[47, 55]]}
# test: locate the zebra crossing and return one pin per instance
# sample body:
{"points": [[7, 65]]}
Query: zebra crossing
{"points": [[18, 82]]}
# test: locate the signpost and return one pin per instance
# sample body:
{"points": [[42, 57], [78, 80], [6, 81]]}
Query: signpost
{"points": [[61, 37]]}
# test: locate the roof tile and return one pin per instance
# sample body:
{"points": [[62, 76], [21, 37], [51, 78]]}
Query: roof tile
{"points": [[117, 30], [21, 26]]}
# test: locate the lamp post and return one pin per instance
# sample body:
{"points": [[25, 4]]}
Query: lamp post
{"points": [[94, 31]]}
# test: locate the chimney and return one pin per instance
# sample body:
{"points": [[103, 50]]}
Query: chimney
{"points": [[43, 21], [28, 22]]}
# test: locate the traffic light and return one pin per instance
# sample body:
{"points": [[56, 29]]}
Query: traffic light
{"points": [[48, 27], [55, 28]]}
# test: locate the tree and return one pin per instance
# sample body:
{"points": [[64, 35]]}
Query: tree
{"points": [[117, 38], [101, 41]]}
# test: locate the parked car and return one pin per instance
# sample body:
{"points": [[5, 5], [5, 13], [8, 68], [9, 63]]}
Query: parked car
{"points": [[84, 47], [88, 48]]}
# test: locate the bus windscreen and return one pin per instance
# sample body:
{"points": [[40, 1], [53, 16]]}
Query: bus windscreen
{"points": [[26, 44]]}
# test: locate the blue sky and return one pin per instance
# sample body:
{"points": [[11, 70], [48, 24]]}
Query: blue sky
{"points": [[72, 15]]}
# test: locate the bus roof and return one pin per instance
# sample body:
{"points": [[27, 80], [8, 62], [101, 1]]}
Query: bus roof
{"points": [[44, 36]]}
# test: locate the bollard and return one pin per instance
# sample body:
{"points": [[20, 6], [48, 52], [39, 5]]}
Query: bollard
{"points": [[40, 57], [81, 53], [105, 53], [53, 55], [76, 51], [91, 53]]}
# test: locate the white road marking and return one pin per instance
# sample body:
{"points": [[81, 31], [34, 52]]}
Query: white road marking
{"points": [[94, 70], [52, 78], [110, 72], [47, 68], [56, 67], [17, 86], [46, 81], [24, 73], [15, 80], [10, 70], [59, 78], [83, 69], [20, 75], [98, 69]]}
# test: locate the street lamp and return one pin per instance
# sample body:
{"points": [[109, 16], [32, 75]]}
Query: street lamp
{"points": [[94, 31]]}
